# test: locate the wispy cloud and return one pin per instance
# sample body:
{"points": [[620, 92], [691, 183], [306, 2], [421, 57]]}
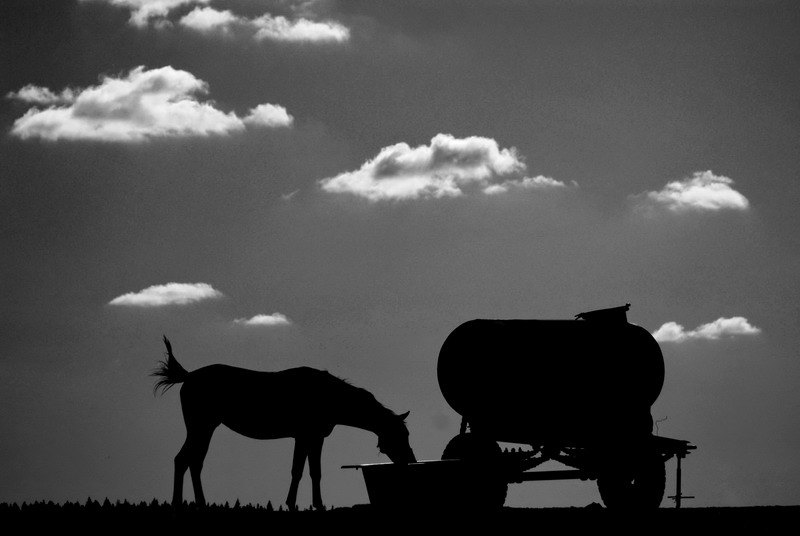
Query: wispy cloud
{"points": [[41, 95], [288, 196], [444, 168], [539, 182], [275, 319], [144, 12], [141, 105], [283, 29], [208, 20], [721, 327], [703, 191], [276, 28], [168, 294]]}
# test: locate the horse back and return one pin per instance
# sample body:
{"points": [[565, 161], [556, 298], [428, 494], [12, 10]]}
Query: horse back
{"points": [[260, 404]]}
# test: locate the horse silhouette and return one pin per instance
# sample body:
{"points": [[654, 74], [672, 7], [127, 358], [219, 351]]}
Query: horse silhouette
{"points": [[303, 403]]}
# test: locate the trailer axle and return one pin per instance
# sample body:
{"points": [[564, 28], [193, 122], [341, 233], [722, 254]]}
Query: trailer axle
{"points": [[535, 476]]}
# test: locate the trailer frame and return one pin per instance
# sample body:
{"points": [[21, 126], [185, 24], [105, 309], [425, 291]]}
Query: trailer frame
{"points": [[387, 482]]}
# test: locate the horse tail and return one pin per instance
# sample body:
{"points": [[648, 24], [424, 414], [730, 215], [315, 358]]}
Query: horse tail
{"points": [[168, 371]]}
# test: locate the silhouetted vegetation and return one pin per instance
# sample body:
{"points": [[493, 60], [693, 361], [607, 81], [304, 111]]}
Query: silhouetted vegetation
{"points": [[156, 516]]}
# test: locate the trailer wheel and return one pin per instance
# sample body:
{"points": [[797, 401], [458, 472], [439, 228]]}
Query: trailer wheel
{"points": [[639, 485], [485, 484]]}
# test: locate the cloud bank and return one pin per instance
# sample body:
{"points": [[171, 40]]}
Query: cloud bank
{"points": [[169, 294], [444, 168], [737, 325], [141, 105], [703, 191], [275, 319]]}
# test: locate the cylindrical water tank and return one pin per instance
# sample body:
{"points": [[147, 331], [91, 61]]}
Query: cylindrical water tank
{"points": [[538, 380]]}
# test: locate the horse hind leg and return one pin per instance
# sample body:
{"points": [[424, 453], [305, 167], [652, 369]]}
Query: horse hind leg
{"points": [[196, 464], [191, 456], [181, 465], [298, 464]]}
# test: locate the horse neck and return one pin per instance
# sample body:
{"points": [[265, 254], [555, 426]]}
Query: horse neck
{"points": [[359, 409]]}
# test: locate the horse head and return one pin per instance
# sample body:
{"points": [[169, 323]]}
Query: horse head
{"points": [[393, 440]]}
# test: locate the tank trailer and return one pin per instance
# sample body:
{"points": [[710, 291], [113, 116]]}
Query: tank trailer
{"points": [[578, 392]]}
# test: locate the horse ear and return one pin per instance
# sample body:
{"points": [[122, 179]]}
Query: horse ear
{"points": [[404, 416]]}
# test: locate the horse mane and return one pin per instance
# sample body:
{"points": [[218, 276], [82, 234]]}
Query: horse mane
{"points": [[358, 396]]}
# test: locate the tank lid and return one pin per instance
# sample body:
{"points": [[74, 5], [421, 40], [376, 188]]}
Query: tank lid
{"points": [[612, 314]]}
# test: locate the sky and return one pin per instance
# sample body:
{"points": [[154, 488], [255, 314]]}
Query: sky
{"points": [[340, 184]]}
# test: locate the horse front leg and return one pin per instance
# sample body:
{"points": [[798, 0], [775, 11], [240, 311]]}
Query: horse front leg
{"points": [[298, 464], [315, 471]]}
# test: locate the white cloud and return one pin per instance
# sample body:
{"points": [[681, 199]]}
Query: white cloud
{"points": [[703, 191], [210, 20], [169, 294], [275, 319], [282, 29], [42, 95], [143, 104], [440, 169], [737, 325], [539, 182], [145, 11], [269, 115]]}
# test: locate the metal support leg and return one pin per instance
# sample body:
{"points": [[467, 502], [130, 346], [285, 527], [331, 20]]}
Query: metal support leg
{"points": [[678, 494]]}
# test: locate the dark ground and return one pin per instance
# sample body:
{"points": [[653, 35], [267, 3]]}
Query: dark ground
{"points": [[157, 517]]}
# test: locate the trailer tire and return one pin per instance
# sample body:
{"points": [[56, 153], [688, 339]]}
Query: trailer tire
{"points": [[485, 484], [633, 485]]}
